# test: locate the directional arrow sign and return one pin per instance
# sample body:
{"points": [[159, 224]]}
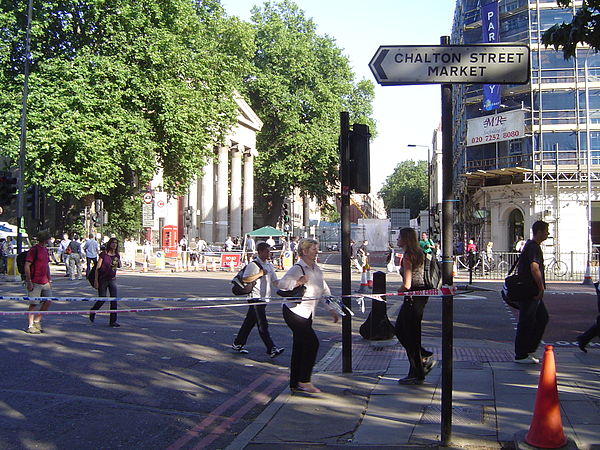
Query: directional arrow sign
{"points": [[478, 63]]}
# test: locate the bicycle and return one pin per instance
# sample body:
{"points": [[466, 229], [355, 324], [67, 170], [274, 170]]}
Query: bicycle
{"points": [[463, 261], [557, 267]]}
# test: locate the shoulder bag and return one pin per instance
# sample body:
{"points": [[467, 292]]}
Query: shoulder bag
{"points": [[297, 292]]}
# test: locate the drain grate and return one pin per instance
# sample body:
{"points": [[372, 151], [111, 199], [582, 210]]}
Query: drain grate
{"points": [[460, 415]]}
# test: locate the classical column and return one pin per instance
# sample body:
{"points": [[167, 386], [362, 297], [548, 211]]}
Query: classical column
{"points": [[192, 202], [235, 199], [222, 194], [248, 194], [206, 202]]}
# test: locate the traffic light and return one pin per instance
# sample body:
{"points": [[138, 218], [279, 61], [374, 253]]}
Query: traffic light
{"points": [[285, 214], [8, 190], [32, 202], [187, 217], [360, 180]]}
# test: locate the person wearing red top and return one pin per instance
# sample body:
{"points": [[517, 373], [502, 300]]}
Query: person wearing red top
{"points": [[38, 280]]}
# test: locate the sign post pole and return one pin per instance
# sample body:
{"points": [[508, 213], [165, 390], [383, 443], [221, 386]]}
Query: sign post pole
{"points": [[345, 217], [447, 238]]}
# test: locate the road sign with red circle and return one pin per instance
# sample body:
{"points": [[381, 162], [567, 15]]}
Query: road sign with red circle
{"points": [[148, 198]]}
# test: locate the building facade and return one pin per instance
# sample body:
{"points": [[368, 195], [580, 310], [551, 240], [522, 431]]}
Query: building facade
{"points": [[550, 170], [220, 202]]}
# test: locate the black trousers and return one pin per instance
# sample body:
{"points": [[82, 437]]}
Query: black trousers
{"points": [[408, 332], [594, 330], [103, 286], [256, 315], [304, 348], [533, 318], [88, 263]]}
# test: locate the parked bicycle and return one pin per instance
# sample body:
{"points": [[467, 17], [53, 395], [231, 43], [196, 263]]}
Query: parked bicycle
{"points": [[557, 267]]}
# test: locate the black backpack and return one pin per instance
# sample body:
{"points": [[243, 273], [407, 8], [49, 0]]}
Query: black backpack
{"points": [[21, 257], [239, 286], [432, 271]]}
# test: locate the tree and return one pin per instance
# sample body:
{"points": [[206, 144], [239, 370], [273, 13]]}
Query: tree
{"points": [[406, 187], [584, 28], [301, 83], [119, 91]]}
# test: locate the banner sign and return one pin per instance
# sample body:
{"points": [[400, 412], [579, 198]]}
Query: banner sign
{"points": [[230, 260], [490, 21], [496, 128]]}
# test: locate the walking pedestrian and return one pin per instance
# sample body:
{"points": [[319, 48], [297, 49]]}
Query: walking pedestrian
{"points": [[105, 278], [38, 281], [250, 248], [90, 248], [427, 245], [64, 252], [262, 271], [594, 331], [74, 258], [408, 323], [299, 315], [533, 316]]}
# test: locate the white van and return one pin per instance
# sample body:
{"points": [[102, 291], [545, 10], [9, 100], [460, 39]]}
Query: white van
{"points": [[7, 230]]}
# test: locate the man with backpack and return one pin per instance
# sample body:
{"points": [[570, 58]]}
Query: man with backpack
{"points": [[38, 280], [74, 258], [261, 271]]}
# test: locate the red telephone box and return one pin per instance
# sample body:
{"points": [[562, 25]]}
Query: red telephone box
{"points": [[169, 240]]}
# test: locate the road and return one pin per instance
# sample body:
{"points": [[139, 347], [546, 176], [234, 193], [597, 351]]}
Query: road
{"points": [[169, 379]]}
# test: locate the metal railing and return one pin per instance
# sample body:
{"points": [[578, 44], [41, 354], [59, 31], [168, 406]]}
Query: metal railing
{"points": [[568, 266]]}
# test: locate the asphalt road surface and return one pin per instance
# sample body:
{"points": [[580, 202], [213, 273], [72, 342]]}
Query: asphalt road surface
{"points": [[170, 380]]}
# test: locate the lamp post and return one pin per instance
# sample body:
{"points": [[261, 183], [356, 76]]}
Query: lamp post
{"points": [[428, 185]]}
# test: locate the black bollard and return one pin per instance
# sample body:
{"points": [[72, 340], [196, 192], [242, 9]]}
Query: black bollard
{"points": [[377, 327]]}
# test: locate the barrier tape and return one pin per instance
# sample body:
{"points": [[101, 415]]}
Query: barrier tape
{"points": [[332, 301]]}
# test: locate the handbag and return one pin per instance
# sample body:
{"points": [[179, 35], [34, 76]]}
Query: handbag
{"points": [[297, 292]]}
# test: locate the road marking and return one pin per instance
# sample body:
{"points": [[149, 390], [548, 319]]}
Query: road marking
{"points": [[248, 395]]}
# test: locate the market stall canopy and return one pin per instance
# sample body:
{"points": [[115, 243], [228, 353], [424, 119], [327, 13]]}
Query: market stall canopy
{"points": [[266, 232]]}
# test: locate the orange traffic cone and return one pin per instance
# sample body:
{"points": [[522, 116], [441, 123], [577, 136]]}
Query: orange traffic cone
{"points": [[587, 278], [546, 430], [369, 278]]}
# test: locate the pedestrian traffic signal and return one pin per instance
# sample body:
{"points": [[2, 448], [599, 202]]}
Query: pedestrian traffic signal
{"points": [[8, 190], [360, 180]]}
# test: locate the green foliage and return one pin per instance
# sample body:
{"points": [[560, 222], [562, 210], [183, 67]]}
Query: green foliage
{"points": [[301, 83], [119, 91], [583, 29], [406, 187]]}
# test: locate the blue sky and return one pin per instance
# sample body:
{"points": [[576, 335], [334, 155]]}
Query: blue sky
{"points": [[404, 114]]}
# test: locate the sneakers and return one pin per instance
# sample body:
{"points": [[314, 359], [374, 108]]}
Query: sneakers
{"points": [[529, 359], [276, 351], [410, 380], [114, 325], [428, 364], [239, 348], [33, 330]]}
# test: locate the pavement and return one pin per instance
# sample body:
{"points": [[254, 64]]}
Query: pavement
{"points": [[492, 400]]}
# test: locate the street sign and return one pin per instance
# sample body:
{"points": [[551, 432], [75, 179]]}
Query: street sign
{"points": [[147, 197], [147, 216], [441, 64]]}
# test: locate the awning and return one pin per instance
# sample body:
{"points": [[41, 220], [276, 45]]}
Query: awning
{"points": [[266, 231]]}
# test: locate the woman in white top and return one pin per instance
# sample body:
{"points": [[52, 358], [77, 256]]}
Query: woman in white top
{"points": [[299, 315]]}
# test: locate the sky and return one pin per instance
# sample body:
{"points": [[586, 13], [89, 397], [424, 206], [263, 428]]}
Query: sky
{"points": [[404, 114]]}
